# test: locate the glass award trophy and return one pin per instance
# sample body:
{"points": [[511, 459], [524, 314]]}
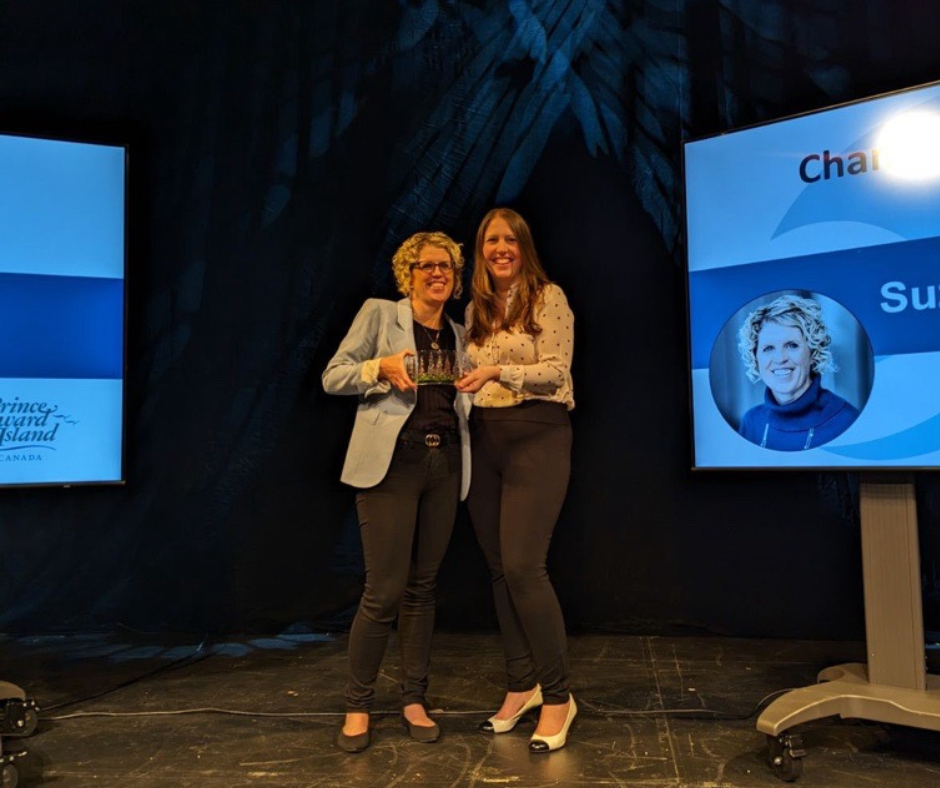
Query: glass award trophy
{"points": [[438, 367]]}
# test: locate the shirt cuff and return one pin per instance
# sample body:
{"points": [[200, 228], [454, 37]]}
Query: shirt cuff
{"points": [[370, 371], [512, 376]]}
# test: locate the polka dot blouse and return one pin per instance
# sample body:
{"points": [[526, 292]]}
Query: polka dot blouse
{"points": [[531, 367]]}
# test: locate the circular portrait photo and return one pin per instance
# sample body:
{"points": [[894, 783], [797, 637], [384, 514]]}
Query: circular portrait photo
{"points": [[791, 370]]}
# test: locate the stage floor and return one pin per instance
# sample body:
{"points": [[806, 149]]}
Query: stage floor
{"points": [[137, 711]]}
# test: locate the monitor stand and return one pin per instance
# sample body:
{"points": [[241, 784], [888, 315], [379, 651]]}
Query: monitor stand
{"points": [[893, 686]]}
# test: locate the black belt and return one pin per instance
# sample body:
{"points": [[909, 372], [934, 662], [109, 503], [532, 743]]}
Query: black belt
{"points": [[432, 439]]}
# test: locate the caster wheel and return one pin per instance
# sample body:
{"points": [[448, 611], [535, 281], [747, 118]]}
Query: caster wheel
{"points": [[785, 754], [19, 718], [30, 721], [9, 777]]}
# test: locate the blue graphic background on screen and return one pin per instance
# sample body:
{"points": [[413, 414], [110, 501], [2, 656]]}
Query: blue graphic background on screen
{"points": [[747, 203], [62, 299], [853, 277], [905, 208], [61, 327], [755, 227], [61, 208]]}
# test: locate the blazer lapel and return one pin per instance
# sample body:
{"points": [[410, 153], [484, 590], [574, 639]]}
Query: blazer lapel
{"points": [[405, 339], [458, 333]]}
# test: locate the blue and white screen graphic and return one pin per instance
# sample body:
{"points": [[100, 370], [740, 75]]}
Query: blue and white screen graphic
{"points": [[814, 288], [62, 250]]}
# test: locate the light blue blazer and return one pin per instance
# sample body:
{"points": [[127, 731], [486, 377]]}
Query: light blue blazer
{"points": [[383, 328]]}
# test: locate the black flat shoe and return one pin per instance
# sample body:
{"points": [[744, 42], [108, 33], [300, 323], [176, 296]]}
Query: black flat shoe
{"points": [[421, 733], [353, 744]]}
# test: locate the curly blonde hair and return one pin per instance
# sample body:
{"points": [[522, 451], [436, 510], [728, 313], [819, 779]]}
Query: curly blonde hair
{"points": [[408, 253], [796, 312]]}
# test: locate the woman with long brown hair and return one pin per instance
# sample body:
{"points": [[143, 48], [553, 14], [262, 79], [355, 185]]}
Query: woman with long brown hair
{"points": [[520, 336]]}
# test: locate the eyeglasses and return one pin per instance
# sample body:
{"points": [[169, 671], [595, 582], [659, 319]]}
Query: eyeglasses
{"points": [[428, 268]]}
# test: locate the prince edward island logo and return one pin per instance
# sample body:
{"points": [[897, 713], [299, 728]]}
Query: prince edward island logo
{"points": [[29, 429]]}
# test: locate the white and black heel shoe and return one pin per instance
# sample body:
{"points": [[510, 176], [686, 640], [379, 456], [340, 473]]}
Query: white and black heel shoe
{"points": [[494, 725], [540, 744]]}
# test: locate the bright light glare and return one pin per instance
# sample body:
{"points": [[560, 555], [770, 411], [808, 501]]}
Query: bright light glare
{"points": [[909, 146]]}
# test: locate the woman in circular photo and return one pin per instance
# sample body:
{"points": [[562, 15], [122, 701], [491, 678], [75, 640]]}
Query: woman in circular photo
{"points": [[786, 345]]}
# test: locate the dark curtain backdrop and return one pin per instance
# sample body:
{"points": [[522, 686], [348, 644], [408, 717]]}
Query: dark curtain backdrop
{"points": [[280, 150]]}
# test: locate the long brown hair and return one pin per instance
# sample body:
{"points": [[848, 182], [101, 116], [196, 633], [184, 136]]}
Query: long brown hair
{"points": [[488, 317]]}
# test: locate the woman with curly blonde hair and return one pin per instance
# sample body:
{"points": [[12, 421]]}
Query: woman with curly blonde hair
{"points": [[786, 344], [409, 457]]}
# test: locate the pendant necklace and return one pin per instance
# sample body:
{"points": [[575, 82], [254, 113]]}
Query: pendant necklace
{"points": [[434, 339]]}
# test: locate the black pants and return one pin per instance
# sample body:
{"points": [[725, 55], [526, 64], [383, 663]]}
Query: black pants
{"points": [[405, 522], [521, 466]]}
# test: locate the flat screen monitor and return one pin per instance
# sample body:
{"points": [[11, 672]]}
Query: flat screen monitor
{"points": [[62, 294], [813, 250]]}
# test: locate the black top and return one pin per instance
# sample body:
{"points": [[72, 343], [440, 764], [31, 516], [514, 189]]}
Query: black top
{"points": [[434, 411]]}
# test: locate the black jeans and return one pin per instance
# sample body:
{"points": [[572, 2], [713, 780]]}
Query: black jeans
{"points": [[521, 467], [405, 522]]}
